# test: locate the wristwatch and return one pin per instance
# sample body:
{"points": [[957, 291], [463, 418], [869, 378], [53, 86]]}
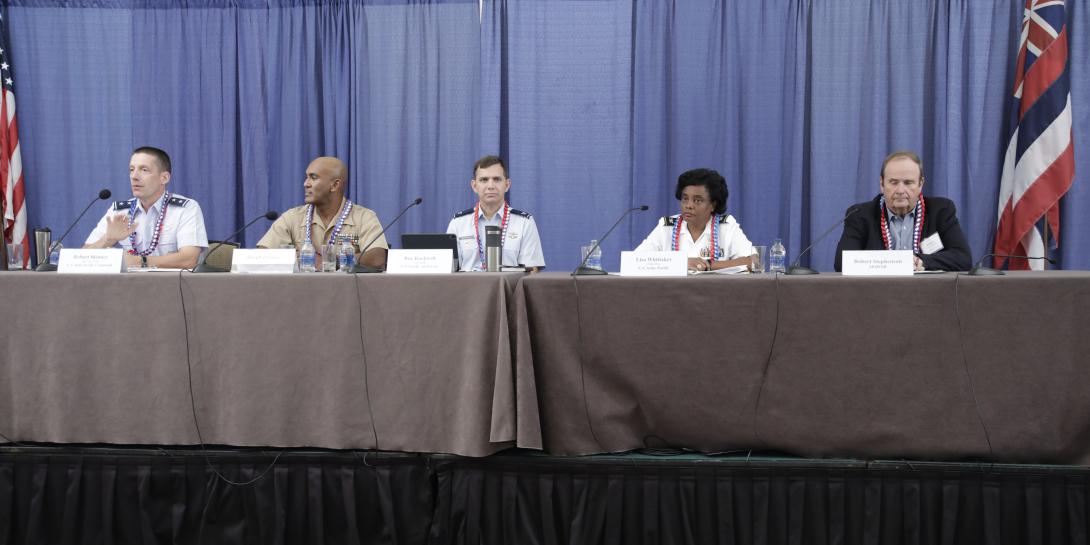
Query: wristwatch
{"points": [[143, 262]]}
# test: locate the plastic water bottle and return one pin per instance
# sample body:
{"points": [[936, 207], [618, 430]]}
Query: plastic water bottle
{"points": [[777, 256], [346, 256], [595, 259], [307, 257]]}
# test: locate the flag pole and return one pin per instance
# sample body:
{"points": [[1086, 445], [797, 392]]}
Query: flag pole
{"points": [[3, 241], [1044, 239]]}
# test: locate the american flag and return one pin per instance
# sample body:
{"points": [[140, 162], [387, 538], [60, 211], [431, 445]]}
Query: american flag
{"points": [[12, 190], [1039, 165]]}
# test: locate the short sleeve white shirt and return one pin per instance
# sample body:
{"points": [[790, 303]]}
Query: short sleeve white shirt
{"points": [[732, 242], [521, 245], [183, 224]]}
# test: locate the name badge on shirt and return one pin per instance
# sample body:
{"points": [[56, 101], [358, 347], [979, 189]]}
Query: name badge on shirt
{"points": [[931, 244]]}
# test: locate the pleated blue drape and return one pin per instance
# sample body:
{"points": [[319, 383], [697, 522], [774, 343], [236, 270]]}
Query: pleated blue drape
{"points": [[597, 105]]}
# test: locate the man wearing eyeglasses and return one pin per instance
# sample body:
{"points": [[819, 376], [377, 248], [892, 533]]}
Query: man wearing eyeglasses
{"points": [[901, 218]]}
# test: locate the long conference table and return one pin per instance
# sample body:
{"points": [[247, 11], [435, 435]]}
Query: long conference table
{"points": [[322, 360], [943, 366]]}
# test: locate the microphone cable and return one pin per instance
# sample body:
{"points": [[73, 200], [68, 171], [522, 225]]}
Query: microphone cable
{"points": [[363, 352], [12, 441], [965, 367], [768, 364], [582, 357], [193, 406]]}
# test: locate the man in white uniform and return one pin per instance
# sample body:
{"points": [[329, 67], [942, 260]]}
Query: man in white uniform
{"points": [[156, 228], [520, 244]]}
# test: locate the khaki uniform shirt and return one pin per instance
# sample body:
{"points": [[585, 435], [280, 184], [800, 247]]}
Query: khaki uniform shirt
{"points": [[361, 224]]}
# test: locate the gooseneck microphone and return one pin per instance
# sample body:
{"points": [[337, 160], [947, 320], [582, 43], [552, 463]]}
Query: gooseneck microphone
{"points": [[46, 267], [360, 267], [795, 267], [204, 267], [582, 268], [980, 270]]}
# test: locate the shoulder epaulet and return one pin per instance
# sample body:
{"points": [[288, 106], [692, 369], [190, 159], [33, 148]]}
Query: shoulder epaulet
{"points": [[465, 212], [123, 205], [669, 220], [723, 218], [520, 213], [177, 201]]}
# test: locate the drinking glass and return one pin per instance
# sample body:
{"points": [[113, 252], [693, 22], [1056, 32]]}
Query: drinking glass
{"points": [[329, 258], [15, 256], [760, 259]]}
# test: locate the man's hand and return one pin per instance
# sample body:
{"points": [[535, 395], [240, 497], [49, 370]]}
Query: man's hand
{"points": [[917, 262], [117, 228]]}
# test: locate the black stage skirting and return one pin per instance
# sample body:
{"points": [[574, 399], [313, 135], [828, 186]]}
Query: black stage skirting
{"points": [[62, 495]]}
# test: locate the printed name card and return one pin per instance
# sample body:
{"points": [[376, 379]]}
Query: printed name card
{"points": [[654, 264], [263, 261], [79, 260], [877, 263], [420, 261]]}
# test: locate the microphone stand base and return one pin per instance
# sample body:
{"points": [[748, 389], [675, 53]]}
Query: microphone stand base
{"points": [[206, 268], [986, 271], [358, 269], [587, 271], [46, 267], [799, 270]]}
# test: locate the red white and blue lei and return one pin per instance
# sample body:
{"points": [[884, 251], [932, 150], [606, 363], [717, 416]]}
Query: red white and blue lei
{"points": [[713, 252], [917, 226], [158, 228]]}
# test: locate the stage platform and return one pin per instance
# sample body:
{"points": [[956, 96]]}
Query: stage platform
{"points": [[83, 494]]}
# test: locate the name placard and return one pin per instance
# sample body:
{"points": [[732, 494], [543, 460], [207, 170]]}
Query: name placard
{"points": [[877, 263], [654, 264], [94, 261], [263, 261], [420, 261]]}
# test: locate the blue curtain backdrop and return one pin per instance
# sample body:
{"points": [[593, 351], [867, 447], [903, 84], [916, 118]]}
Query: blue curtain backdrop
{"points": [[598, 105], [243, 95]]}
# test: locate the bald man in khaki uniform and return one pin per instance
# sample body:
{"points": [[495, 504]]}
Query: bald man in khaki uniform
{"points": [[330, 216]]}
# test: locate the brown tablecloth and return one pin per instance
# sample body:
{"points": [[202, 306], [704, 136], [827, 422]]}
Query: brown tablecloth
{"points": [[941, 366], [276, 360]]}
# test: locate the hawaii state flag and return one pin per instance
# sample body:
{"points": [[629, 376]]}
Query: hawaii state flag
{"points": [[1039, 165]]}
